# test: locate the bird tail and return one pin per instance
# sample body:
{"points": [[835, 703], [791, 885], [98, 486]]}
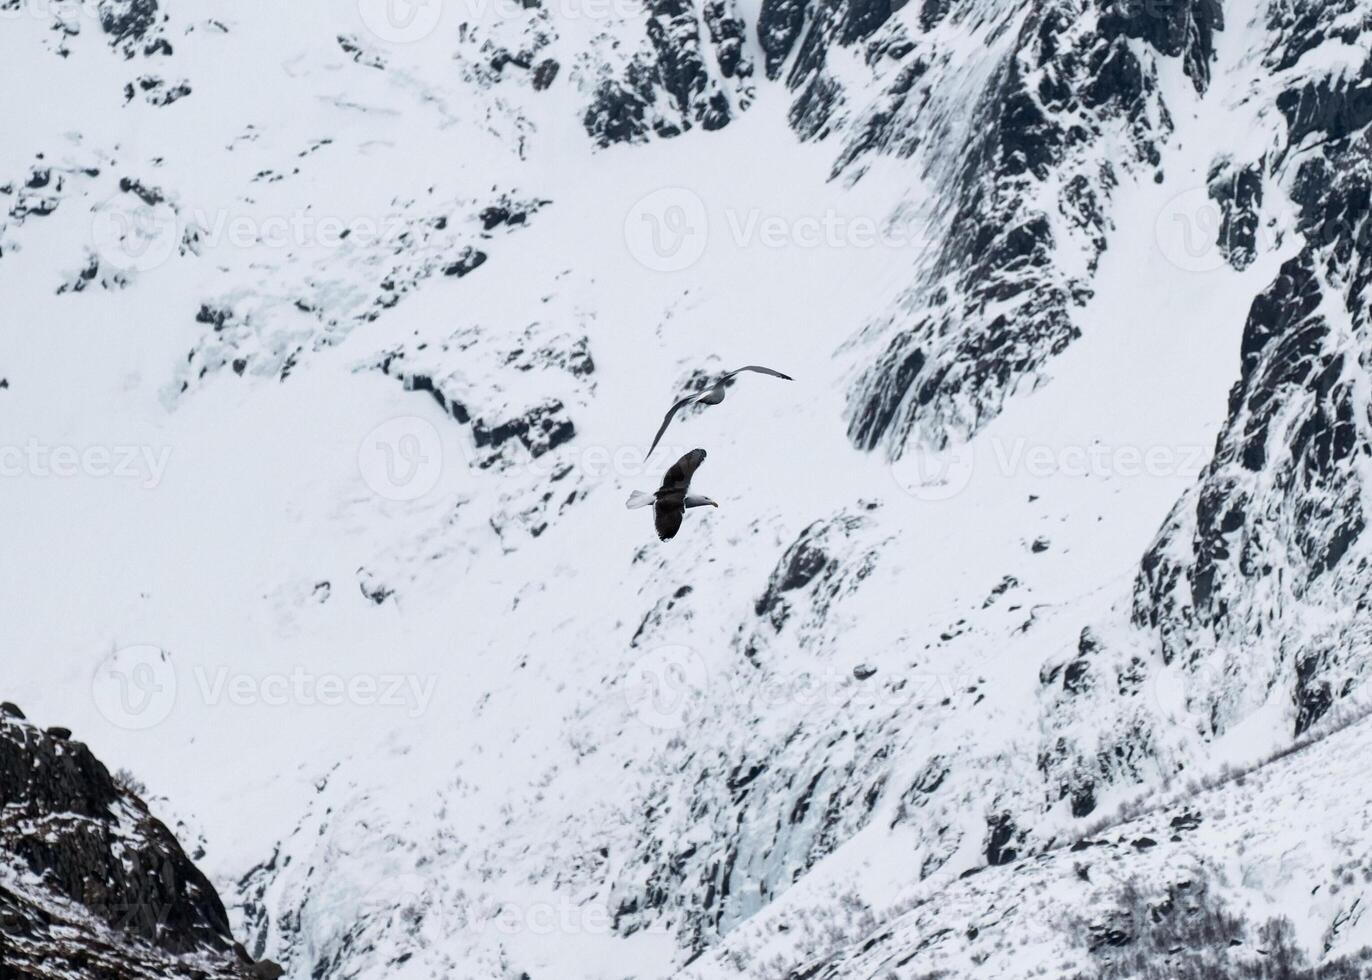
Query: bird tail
{"points": [[639, 499]]}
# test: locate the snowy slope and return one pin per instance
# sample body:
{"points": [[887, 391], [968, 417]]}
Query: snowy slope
{"points": [[1278, 842], [333, 344]]}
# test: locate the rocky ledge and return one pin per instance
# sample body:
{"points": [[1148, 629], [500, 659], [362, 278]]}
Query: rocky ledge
{"points": [[92, 885]]}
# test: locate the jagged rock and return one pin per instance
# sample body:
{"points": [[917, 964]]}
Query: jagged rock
{"points": [[830, 559], [1284, 488], [1240, 196], [1184, 29], [667, 87], [87, 850], [994, 301], [127, 19], [499, 426], [468, 260]]}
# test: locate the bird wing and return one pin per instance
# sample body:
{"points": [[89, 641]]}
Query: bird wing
{"points": [[667, 514], [678, 478], [667, 420], [760, 370]]}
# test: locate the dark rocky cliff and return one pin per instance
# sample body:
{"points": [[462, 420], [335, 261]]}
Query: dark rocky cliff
{"points": [[91, 883]]}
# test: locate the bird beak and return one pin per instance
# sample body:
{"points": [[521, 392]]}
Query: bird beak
{"points": [[713, 504]]}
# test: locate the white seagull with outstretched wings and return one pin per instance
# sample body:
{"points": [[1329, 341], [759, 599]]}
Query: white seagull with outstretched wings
{"points": [[710, 396]]}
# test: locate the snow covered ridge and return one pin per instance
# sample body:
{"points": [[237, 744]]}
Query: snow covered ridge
{"points": [[1150, 897], [1019, 150], [1251, 592], [1270, 550], [1254, 589], [91, 884]]}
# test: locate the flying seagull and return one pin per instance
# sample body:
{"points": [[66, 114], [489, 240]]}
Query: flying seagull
{"points": [[711, 396], [671, 500]]}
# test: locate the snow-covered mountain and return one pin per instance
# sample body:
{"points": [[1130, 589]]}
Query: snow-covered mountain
{"points": [[1030, 632]]}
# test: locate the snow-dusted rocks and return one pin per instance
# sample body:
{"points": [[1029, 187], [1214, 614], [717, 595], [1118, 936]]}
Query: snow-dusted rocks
{"points": [[1107, 904], [829, 560], [1268, 550], [533, 413], [691, 69], [358, 274], [91, 884], [1021, 150]]}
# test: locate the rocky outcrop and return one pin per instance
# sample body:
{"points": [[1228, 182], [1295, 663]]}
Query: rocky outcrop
{"points": [[91, 882], [1151, 895], [1014, 249], [127, 20], [693, 70], [372, 265], [1182, 29], [1239, 193], [799, 38], [1269, 550], [1253, 594], [728, 824], [828, 561], [503, 422]]}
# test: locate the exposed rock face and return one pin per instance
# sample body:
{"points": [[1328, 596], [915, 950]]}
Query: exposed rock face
{"points": [[91, 880], [127, 19], [1064, 904], [681, 78], [1239, 194], [816, 728], [830, 559], [1179, 29], [1270, 547], [1030, 190], [1256, 587], [538, 420], [806, 790]]}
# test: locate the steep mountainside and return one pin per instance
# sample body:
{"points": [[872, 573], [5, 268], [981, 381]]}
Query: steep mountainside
{"points": [[91, 884], [336, 336], [1010, 148], [1153, 892]]}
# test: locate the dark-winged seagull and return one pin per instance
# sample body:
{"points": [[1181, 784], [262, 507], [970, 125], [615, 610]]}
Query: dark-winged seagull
{"points": [[711, 396], [671, 500]]}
